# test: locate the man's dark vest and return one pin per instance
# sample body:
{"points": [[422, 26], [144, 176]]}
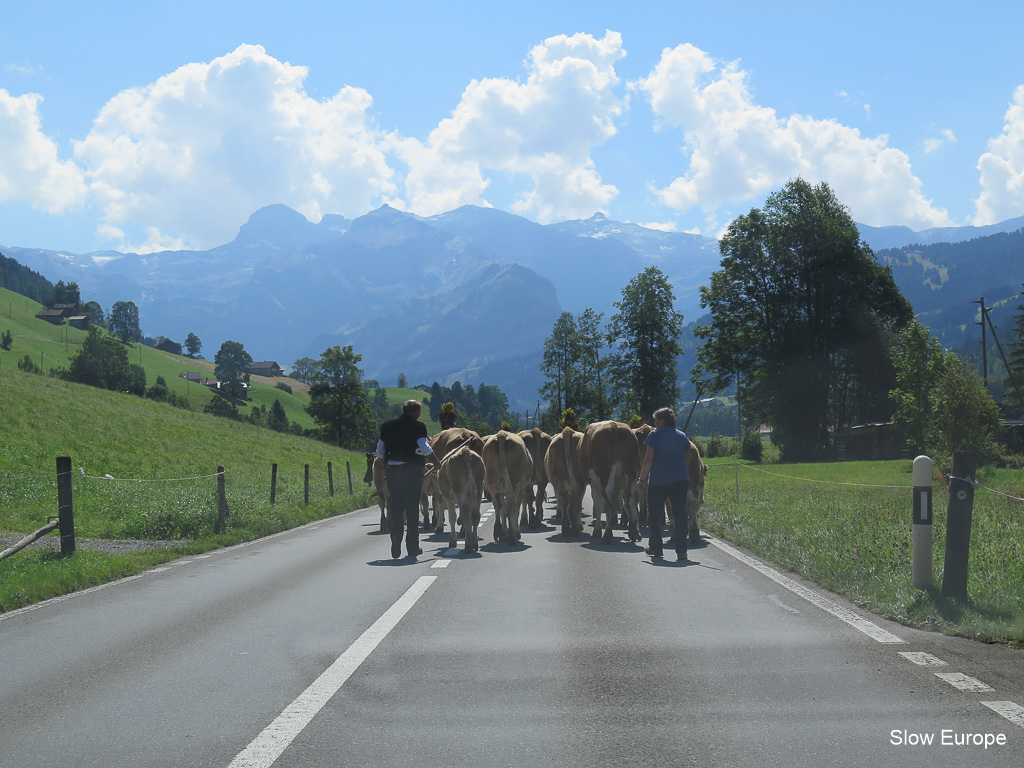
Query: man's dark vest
{"points": [[400, 436]]}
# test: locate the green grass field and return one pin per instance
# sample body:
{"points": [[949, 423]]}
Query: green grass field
{"points": [[145, 470], [51, 346], [840, 526]]}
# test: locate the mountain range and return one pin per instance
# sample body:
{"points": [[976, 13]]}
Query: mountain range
{"points": [[471, 294]]}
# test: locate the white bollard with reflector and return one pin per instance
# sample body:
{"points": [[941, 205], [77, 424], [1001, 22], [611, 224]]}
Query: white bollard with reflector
{"points": [[921, 546]]}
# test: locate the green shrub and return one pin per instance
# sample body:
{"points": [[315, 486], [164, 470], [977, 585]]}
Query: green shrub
{"points": [[751, 448]]}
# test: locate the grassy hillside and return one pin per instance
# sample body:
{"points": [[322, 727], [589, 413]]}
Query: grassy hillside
{"points": [[143, 470], [51, 346]]}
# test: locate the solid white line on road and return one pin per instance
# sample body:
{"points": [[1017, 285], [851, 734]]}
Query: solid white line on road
{"points": [[1012, 712], [275, 738], [923, 659], [964, 682], [857, 622]]}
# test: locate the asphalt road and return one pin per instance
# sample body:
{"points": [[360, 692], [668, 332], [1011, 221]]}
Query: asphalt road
{"points": [[315, 648]]}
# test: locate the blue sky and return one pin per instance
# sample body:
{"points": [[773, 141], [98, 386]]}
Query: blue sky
{"points": [[161, 126]]}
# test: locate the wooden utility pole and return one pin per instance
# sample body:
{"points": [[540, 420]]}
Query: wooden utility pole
{"points": [[65, 506], [958, 525]]}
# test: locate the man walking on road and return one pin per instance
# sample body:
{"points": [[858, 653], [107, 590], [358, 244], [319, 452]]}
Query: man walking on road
{"points": [[403, 445], [664, 475]]}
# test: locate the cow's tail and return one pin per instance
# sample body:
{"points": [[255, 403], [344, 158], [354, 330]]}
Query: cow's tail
{"points": [[570, 450]]}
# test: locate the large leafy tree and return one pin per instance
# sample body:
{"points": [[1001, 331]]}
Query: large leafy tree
{"points": [[103, 362], [338, 401], [803, 315], [645, 332], [193, 345], [919, 361], [123, 321], [574, 368], [1016, 377], [231, 367]]}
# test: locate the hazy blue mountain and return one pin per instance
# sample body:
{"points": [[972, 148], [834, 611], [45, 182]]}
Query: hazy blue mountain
{"points": [[880, 238], [473, 293], [945, 281]]}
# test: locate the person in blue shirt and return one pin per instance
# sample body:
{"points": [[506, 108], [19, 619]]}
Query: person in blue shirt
{"points": [[664, 475]]}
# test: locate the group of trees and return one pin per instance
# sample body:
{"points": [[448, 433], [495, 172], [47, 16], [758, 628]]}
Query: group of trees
{"points": [[627, 368], [805, 324], [483, 409]]}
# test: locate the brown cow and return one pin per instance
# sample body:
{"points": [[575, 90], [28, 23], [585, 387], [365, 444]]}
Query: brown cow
{"points": [[508, 470], [641, 433], [611, 458], [443, 443], [376, 473], [461, 483], [537, 443], [561, 462], [695, 497]]}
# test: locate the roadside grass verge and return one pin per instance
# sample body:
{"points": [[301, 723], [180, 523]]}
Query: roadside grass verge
{"points": [[145, 470], [839, 526]]}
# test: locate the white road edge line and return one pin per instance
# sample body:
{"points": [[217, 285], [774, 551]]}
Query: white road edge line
{"points": [[857, 622], [275, 738]]}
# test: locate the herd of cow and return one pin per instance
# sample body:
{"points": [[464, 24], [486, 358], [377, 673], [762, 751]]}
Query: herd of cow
{"points": [[514, 470]]}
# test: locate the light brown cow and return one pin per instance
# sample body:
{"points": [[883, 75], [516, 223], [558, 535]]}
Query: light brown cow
{"points": [[508, 469], [461, 483], [537, 443], [376, 473], [442, 444], [561, 462], [610, 455], [641, 433], [695, 497]]}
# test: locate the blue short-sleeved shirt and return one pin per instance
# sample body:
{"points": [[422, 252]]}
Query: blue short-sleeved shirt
{"points": [[670, 448]]}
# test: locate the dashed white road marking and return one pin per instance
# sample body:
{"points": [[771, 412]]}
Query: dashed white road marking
{"points": [[275, 738], [923, 659], [440, 564], [869, 628], [161, 569], [964, 682], [1008, 709]]}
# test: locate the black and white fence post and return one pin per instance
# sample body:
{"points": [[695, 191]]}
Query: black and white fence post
{"points": [[921, 566]]}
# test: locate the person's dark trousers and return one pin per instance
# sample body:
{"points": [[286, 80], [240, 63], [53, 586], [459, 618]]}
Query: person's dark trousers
{"points": [[404, 484], [656, 496]]}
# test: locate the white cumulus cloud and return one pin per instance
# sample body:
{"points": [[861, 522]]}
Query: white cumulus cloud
{"points": [[543, 128], [30, 167], [936, 143], [738, 150], [1002, 169], [188, 158]]}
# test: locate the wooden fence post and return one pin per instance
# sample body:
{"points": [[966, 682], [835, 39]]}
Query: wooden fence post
{"points": [[222, 501], [330, 479], [273, 484], [307, 484], [65, 506], [958, 525], [348, 468]]}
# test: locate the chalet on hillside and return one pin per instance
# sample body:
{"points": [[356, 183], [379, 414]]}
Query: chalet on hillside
{"points": [[55, 316], [82, 322], [266, 368], [195, 376]]}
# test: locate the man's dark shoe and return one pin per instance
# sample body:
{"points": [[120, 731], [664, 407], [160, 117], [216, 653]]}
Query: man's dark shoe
{"points": [[396, 549], [681, 555], [653, 553]]}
